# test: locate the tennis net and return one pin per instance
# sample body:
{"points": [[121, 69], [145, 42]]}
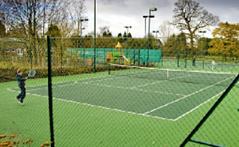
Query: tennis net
{"points": [[176, 75]]}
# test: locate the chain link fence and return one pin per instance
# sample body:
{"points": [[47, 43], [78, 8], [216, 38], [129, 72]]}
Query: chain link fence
{"points": [[23, 124], [120, 92]]}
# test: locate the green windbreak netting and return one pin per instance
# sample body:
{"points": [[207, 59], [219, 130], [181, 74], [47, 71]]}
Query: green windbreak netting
{"points": [[134, 55]]}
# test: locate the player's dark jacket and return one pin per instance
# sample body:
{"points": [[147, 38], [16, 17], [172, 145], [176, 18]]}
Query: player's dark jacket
{"points": [[21, 81]]}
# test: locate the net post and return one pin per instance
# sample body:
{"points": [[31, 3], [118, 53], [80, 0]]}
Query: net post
{"points": [[185, 62], [50, 96], [109, 70], [167, 70], [177, 60]]}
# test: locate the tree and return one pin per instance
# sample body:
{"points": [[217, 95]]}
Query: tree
{"points": [[203, 45], [2, 29], [129, 35], [225, 41], [105, 32], [77, 9], [170, 45], [227, 31], [16, 32], [189, 17], [109, 34], [30, 16], [125, 35], [119, 35], [165, 31], [54, 31], [216, 47], [175, 45], [181, 42]]}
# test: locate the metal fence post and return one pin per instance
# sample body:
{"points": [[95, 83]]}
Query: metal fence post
{"points": [[208, 114], [50, 97]]}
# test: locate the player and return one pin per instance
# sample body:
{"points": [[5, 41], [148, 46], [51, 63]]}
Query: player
{"points": [[21, 85], [213, 64]]}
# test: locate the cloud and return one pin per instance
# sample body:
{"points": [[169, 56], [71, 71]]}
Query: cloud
{"points": [[227, 10], [116, 14], [220, 3]]}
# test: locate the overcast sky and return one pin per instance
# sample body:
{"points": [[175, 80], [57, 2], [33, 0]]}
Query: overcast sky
{"points": [[119, 13]]}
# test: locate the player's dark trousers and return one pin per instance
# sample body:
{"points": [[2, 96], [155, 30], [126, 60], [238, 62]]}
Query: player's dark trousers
{"points": [[22, 94]]}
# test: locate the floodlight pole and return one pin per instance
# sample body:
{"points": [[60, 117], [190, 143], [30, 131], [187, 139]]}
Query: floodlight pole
{"points": [[204, 51], [156, 33], [127, 29], [43, 26], [145, 26], [81, 26], [202, 32], [94, 40], [150, 10]]}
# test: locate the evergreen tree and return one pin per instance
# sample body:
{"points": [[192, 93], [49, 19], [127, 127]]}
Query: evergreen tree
{"points": [[129, 35], [119, 35]]}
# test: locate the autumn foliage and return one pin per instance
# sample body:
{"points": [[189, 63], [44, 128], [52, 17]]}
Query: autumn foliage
{"points": [[225, 42]]}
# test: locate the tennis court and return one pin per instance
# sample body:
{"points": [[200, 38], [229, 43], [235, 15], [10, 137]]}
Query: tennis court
{"points": [[143, 91]]}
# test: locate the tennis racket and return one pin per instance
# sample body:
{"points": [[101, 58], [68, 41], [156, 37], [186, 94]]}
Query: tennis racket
{"points": [[31, 73]]}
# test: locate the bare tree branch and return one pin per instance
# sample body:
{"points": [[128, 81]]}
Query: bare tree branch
{"points": [[189, 16]]}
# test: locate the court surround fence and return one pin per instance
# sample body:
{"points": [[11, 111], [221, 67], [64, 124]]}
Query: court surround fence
{"points": [[195, 86], [128, 102]]}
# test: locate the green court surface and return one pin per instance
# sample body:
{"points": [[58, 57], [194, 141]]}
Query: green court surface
{"points": [[120, 110], [143, 93]]}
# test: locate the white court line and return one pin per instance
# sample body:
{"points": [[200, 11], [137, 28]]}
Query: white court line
{"points": [[111, 109], [153, 83], [11, 90], [97, 106], [184, 97], [139, 86], [63, 84], [105, 79], [132, 88], [143, 85], [27, 93], [45, 87], [91, 80], [190, 111], [68, 83], [118, 110]]}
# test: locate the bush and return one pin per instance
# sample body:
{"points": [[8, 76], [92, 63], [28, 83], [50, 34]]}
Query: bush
{"points": [[8, 72]]}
